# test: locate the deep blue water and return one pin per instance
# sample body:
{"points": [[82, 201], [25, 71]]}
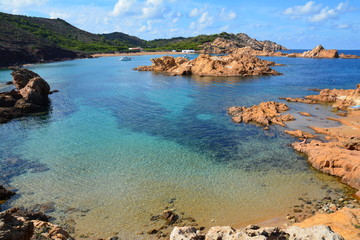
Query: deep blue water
{"points": [[115, 137]]}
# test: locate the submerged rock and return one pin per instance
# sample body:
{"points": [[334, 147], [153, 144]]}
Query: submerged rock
{"points": [[5, 194], [206, 65]]}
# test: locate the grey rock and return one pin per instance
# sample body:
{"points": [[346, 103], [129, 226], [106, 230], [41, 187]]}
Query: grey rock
{"points": [[320, 232], [186, 233]]}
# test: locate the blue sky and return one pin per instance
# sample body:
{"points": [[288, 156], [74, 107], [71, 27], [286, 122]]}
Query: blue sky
{"points": [[294, 24]]}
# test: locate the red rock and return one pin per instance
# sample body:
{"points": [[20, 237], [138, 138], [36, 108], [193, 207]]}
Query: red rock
{"points": [[300, 134]]}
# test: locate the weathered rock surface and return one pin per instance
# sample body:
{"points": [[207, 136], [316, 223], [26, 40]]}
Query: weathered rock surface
{"points": [[206, 65], [320, 52], [231, 43], [320, 232], [334, 159], [19, 224], [253, 232], [265, 113], [341, 99], [30, 96], [306, 114], [300, 134], [344, 222], [342, 55], [5, 194]]}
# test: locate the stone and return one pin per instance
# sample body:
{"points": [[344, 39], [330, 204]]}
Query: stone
{"points": [[300, 134], [312, 233], [344, 222], [170, 217], [206, 65], [15, 228], [320, 52], [265, 113], [22, 76], [5, 194], [185, 233], [306, 114]]}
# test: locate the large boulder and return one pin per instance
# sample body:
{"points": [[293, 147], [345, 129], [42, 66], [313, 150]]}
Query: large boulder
{"points": [[36, 91], [320, 232], [22, 76], [320, 52]]}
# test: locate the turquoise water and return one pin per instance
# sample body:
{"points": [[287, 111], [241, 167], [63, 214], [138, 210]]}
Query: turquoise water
{"points": [[118, 145]]}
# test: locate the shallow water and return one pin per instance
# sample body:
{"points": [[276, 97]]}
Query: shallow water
{"points": [[119, 144]]}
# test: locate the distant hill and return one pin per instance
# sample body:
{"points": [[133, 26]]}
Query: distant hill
{"points": [[26, 39]]}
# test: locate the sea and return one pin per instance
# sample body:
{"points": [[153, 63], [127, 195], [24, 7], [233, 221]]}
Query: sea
{"points": [[119, 146]]}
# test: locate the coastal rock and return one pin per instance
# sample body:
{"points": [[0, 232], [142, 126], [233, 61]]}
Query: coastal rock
{"points": [[344, 222], [206, 65], [320, 52], [185, 233], [20, 224], [333, 159], [300, 134], [302, 100], [5, 194], [341, 99], [31, 95], [12, 227], [230, 43], [259, 233], [306, 114], [265, 113], [312, 233], [342, 55], [22, 76]]}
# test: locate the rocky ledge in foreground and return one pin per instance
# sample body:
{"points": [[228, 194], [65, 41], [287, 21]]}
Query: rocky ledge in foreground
{"points": [[265, 113], [256, 233], [19, 224], [340, 155], [206, 65], [30, 95]]}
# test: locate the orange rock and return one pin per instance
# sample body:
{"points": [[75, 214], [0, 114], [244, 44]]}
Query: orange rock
{"points": [[344, 222], [206, 65], [348, 56], [265, 113], [306, 114], [300, 134]]}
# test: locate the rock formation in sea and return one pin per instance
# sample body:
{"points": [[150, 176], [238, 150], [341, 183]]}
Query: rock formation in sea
{"points": [[265, 113], [206, 65], [5, 194], [30, 95], [256, 233], [340, 155], [341, 99]]}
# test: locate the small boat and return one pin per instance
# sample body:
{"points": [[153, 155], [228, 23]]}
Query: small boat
{"points": [[125, 58]]}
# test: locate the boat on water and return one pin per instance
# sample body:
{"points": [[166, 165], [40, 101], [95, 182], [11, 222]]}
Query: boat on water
{"points": [[125, 58]]}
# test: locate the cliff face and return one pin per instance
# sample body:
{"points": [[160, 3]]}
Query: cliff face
{"points": [[234, 42]]}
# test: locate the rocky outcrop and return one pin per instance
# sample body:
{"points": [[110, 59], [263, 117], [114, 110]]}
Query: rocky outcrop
{"points": [[344, 222], [256, 233], [20, 224], [342, 55], [5, 194], [300, 134], [341, 99], [206, 65], [320, 52], [231, 43], [265, 113], [30, 96]]}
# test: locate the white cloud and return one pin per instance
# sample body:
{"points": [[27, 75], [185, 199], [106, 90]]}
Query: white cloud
{"points": [[195, 12], [227, 16], [343, 26], [327, 13], [309, 8], [205, 20], [55, 15], [122, 7]]}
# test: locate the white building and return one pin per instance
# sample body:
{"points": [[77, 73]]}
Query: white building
{"points": [[188, 51]]}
